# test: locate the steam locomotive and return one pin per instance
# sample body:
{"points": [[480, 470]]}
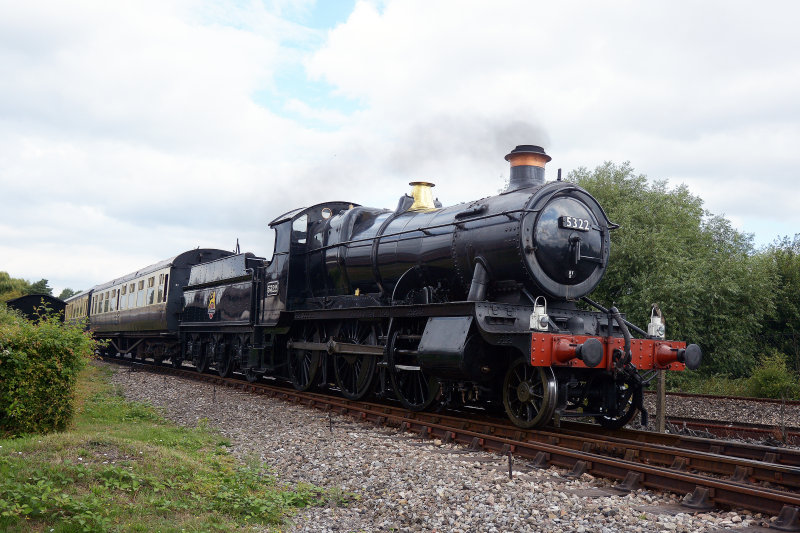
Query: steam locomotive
{"points": [[478, 304]]}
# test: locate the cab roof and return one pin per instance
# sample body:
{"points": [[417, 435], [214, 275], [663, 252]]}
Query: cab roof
{"points": [[294, 213]]}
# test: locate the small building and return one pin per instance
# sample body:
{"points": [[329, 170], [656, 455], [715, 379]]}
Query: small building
{"points": [[32, 305]]}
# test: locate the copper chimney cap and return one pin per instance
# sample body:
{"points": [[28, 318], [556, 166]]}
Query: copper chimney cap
{"points": [[528, 154]]}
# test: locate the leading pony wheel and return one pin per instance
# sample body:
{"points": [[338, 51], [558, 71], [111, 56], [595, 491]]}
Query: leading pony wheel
{"points": [[529, 394], [629, 398]]}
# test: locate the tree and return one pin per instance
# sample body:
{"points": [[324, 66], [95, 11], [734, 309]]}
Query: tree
{"points": [[11, 288], [711, 287], [782, 330], [66, 293], [40, 287]]}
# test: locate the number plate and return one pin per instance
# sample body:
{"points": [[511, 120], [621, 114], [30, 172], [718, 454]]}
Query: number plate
{"points": [[580, 224], [272, 288]]}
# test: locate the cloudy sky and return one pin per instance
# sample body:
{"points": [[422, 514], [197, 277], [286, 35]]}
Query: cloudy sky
{"points": [[133, 130]]}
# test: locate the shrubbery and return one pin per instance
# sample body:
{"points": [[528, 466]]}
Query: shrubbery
{"points": [[39, 366], [770, 378], [773, 379]]}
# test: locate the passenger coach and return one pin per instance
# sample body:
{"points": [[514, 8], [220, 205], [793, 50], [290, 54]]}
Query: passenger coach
{"points": [[138, 313]]}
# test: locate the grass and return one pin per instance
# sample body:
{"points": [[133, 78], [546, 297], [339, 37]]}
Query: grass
{"points": [[123, 467]]}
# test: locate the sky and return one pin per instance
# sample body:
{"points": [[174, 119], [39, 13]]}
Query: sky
{"points": [[131, 131]]}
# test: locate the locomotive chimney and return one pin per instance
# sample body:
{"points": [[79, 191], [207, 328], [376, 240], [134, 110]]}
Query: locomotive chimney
{"points": [[423, 196], [527, 166]]}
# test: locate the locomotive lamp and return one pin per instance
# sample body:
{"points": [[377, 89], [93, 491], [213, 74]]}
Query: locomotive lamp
{"points": [[540, 321], [656, 328]]}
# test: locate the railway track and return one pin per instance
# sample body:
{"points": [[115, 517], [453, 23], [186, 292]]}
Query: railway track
{"points": [[717, 397], [709, 472], [730, 430]]}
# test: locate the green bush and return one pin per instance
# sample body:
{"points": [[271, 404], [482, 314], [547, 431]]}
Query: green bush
{"points": [[773, 379], [39, 365]]}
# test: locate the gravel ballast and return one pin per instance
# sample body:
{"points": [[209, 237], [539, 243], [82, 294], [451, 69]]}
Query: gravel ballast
{"points": [[393, 481]]}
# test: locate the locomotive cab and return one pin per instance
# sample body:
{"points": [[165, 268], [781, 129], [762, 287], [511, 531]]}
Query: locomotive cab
{"points": [[285, 284]]}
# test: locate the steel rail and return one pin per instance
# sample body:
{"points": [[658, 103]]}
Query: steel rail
{"points": [[721, 428], [740, 449]]}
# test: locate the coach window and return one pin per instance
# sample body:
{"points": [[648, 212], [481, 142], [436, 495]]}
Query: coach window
{"points": [[131, 295], [140, 294], [151, 291], [160, 288], [105, 305], [112, 305], [123, 297]]}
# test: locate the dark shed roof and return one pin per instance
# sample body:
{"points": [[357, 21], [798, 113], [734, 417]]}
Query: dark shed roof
{"points": [[31, 304]]}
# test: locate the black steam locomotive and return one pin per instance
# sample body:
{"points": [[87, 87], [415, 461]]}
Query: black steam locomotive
{"points": [[482, 303]]}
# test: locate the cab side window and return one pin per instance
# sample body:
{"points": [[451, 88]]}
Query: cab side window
{"points": [[300, 229]]}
